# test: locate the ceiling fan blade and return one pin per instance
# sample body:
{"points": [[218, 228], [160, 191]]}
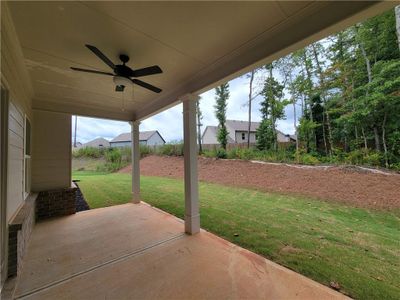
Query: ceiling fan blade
{"points": [[119, 88], [146, 85], [147, 71], [100, 55], [91, 71]]}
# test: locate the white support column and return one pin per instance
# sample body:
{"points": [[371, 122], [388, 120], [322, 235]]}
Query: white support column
{"points": [[192, 216], [135, 161]]}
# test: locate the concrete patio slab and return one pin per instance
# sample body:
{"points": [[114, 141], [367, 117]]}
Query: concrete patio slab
{"points": [[137, 252]]}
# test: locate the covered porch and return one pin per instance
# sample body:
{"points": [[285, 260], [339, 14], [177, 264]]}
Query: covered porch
{"points": [[134, 251]]}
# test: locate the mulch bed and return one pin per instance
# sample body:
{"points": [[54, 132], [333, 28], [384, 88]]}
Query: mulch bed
{"points": [[359, 189], [80, 201]]}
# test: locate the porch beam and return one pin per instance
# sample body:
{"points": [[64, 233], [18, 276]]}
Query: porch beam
{"points": [[135, 161], [192, 216]]}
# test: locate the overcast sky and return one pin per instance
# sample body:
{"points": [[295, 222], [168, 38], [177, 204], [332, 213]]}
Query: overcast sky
{"points": [[169, 122]]}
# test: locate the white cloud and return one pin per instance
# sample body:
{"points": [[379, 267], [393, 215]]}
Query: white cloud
{"points": [[91, 128], [169, 122]]}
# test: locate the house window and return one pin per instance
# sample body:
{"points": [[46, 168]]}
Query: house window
{"points": [[256, 136], [243, 136], [27, 156]]}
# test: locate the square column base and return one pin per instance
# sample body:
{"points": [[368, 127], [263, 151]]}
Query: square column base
{"points": [[135, 198], [192, 224]]}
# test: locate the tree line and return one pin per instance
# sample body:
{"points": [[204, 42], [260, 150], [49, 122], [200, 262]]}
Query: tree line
{"points": [[344, 92]]}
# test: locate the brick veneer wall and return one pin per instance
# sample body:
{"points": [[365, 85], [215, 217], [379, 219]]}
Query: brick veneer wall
{"points": [[19, 231], [37, 206], [56, 203]]}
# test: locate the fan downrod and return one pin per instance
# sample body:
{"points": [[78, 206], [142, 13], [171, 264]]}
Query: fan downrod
{"points": [[124, 58]]}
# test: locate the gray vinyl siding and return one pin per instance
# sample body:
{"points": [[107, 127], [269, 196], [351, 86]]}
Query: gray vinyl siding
{"points": [[155, 140], [239, 137], [15, 188], [209, 136], [120, 144], [51, 152]]}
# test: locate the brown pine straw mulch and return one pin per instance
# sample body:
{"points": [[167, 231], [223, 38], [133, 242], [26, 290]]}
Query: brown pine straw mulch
{"points": [[354, 186]]}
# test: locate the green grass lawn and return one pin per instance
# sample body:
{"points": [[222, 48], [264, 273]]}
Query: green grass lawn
{"points": [[358, 248]]}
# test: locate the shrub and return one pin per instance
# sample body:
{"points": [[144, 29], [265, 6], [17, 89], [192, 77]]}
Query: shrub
{"points": [[241, 153], [363, 157], [170, 149], [125, 152], [373, 159], [233, 153], [113, 155], [210, 153], [145, 150], [308, 159], [221, 153], [247, 154], [395, 167], [88, 152], [355, 157], [109, 167]]}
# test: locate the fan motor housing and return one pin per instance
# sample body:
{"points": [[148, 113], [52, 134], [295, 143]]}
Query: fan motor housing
{"points": [[122, 70]]}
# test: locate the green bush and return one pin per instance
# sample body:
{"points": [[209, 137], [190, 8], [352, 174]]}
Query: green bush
{"points": [[395, 167], [170, 149], [88, 152], [362, 157], [247, 154], [373, 159], [233, 153], [308, 159], [210, 153], [110, 167], [221, 153], [355, 157], [125, 152], [238, 153], [116, 158], [145, 150], [113, 155]]}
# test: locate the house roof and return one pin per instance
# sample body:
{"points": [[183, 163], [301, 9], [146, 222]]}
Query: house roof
{"points": [[97, 142], [197, 44], [143, 136], [237, 125]]}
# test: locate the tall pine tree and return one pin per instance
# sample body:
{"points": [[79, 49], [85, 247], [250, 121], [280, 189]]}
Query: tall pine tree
{"points": [[272, 109], [221, 98]]}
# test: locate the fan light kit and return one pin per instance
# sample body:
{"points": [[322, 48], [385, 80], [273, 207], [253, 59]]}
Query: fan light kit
{"points": [[122, 73], [122, 81]]}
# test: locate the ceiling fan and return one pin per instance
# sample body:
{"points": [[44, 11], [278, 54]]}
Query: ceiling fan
{"points": [[122, 73]]}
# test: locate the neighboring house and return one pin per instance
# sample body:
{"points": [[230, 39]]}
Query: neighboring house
{"points": [[97, 143], [148, 138], [238, 132]]}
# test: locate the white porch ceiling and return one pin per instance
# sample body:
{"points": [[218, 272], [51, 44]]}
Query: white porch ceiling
{"points": [[197, 44]]}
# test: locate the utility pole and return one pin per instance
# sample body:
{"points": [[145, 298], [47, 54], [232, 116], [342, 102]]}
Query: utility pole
{"points": [[250, 99], [76, 125], [199, 124]]}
